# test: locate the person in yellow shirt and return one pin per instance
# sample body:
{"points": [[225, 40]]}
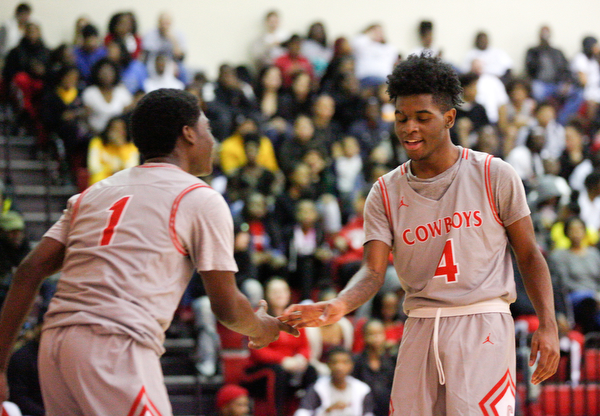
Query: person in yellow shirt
{"points": [[233, 155], [111, 152]]}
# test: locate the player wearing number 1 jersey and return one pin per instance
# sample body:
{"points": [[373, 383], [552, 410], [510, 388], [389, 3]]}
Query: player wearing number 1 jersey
{"points": [[126, 248], [450, 217]]}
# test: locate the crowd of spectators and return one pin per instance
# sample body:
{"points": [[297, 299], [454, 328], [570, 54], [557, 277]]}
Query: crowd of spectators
{"points": [[303, 130]]}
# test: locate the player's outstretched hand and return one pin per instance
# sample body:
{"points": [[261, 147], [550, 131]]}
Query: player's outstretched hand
{"points": [[271, 327], [544, 341], [315, 314]]}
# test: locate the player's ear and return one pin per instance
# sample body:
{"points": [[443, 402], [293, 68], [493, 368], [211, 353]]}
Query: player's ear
{"points": [[187, 133], [450, 118]]}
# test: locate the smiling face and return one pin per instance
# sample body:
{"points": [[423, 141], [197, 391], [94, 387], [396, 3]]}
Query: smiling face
{"points": [[423, 128]]}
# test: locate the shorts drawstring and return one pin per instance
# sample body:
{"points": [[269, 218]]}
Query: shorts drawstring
{"points": [[438, 362]]}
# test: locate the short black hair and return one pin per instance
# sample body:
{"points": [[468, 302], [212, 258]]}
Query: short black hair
{"points": [[158, 119], [338, 349], [23, 8], [515, 82], [425, 26], [467, 79], [88, 31], [424, 74], [94, 79]]}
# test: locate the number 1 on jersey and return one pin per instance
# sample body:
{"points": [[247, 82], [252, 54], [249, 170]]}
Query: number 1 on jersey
{"points": [[116, 212], [447, 267]]}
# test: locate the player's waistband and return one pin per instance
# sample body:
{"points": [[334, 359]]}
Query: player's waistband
{"points": [[487, 306]]}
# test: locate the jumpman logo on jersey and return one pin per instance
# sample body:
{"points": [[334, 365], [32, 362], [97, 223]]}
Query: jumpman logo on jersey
{"points": [[402, 204], [488, 339]]}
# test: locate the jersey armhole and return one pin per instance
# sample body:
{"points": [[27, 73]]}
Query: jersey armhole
{"points": [[489, 190], [172, 231], [76, 205]]}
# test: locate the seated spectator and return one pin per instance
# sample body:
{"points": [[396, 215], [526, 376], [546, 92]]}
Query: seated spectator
{"points": [[316, 49], [348, 243], [527, 160], [106, 97], [60, 57], [288, 356], [269, 46], [269, 92], [167, 41], [122, 27], [64, 114], [327, 131], [308, 252], [266, 246], [491, 93], [348, 168], [13, 29], [576, 272], [80, 23], [589, 164], [386, 308], [586, 71], [470, 115], [375, 58], [234, 94], [232, 400], [233, 154], [111, 151], [298, 186], [341, 62], [348, 100], [298, 98], [293, 149], [554, 132], [90, 52], [518, 113], [547, 67], [370, 130], [557, 233], [252, 177], [589, 201], [325, 338], [375, 366], [14, 246], [573, 154], [426, 40], [23, 377], [161, 77], [132, 71], [488, 140], [24, 71], [494, 61], [338, 393], [292, 61]]}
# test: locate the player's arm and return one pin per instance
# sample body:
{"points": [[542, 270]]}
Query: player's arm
{"points": [[363, 285], [234, 311], [45, 260], [536, 278]]}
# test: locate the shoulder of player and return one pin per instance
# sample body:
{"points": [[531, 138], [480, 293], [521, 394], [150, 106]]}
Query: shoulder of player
{"points": [[497, 166]]}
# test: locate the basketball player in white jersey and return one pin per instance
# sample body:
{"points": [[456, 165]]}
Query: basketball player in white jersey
{"points": [[126, 249], [450, 216]]}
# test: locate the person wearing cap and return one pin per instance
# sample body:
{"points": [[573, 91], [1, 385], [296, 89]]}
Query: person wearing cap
{"points": [[233, 400]]}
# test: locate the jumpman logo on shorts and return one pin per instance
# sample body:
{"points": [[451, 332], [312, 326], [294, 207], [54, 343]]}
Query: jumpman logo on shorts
{"points": [[402, 204], [488, 339]]}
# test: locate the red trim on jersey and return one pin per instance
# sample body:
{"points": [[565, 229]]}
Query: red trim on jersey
{"points": [[145, 409], [403, 168], [174, 208], [488, 189], [465, 154], [386, 202], [76, 205], [510, 384]]}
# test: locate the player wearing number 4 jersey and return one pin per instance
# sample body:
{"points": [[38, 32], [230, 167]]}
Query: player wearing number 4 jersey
{"points": [[127, 248], [450, 216]]}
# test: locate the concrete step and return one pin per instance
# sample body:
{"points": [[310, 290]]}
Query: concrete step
{"points": [[29, 172], [40, 190], [16, 147]]}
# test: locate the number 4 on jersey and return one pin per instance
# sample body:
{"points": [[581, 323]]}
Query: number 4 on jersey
{"points": [[116, 212], [447, 267]]}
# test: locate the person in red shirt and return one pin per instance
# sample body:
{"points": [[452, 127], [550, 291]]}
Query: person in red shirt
{"points": [[292, 61], [288, 356]]}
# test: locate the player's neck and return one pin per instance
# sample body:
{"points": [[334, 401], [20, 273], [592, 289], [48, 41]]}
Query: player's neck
{"points": [[165, 159], [441, 161]]}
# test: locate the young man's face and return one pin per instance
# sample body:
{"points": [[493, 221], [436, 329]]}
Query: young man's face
{"points": [[203, 151], [341, 365], [238, 407], [421, 125]]}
